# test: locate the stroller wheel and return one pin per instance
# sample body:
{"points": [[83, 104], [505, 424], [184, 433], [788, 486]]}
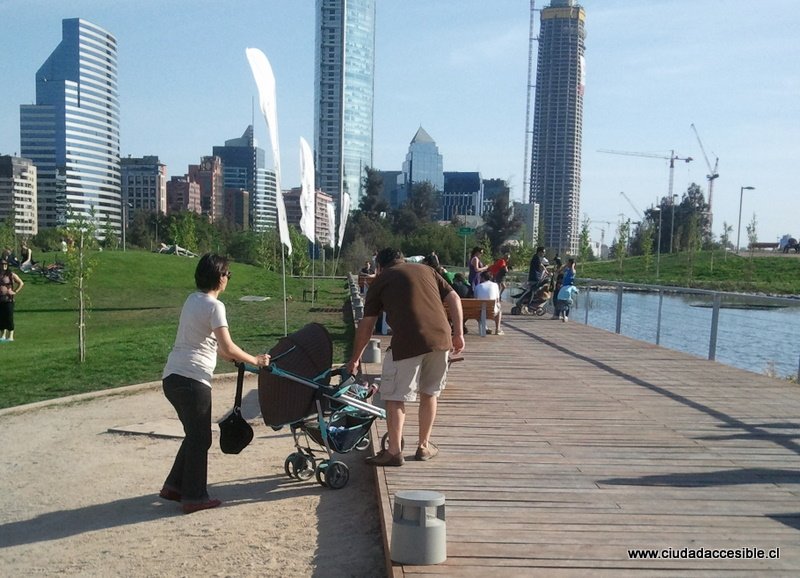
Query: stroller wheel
{"points": [[385, 442], [337, 475], [299, 466], [515, 310], [320, 470], [363, 444], [540, 311]]}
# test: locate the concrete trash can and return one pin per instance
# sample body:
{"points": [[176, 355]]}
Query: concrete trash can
{"points": [[419, 532], [372, 353]]}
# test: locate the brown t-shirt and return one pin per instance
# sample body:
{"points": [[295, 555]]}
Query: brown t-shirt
{"points": [[411, 295]]}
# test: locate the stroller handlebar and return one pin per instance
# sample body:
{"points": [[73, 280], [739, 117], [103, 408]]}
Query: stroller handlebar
{"points": [[247, 366]]}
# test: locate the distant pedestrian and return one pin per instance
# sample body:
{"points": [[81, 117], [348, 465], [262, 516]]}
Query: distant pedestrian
{"points": [[536, 269], [10, 286], [499, 270], [565, 297], [476, 267], [26, 258]]}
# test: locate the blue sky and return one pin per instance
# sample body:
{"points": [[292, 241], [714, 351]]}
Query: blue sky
{"points": [[459, 69]]}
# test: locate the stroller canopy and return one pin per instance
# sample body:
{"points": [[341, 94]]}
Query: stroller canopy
{"points": [[307, 353]]}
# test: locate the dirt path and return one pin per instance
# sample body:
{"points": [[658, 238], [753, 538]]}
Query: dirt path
{"points": [[78, 500]]}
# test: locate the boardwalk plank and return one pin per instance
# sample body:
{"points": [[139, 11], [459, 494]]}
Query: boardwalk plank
{"points": [[562, 446]]}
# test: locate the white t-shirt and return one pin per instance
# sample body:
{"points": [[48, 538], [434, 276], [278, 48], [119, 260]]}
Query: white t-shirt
{"points": [[194, 354], [489, 290]]}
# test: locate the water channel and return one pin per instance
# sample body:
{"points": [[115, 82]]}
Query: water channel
{"points": [[754, 333]]}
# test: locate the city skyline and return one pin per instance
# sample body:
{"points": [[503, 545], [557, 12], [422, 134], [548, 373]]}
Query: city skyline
{"points": [[459, 69]]}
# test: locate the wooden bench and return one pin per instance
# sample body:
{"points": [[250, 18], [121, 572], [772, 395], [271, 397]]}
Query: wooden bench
{"points": [[478, 309], [364, 281], [763, 246]]}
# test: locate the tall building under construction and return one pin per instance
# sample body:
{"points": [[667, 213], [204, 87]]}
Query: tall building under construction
{"points": [[557, 124]]}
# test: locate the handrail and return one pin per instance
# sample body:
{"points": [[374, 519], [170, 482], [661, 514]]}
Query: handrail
{"points": [[716, 300]]}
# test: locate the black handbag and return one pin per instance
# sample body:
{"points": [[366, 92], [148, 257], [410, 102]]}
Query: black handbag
{"points": [[234, 432]]}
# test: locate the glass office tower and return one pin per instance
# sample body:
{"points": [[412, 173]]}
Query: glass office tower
{"points": [[72, 132], [243, 168], [557, 124], [423, 163], [344, 90]]}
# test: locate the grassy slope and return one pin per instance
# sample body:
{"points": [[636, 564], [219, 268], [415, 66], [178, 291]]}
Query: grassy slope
{"points": [[709, 270], [136, 299]]}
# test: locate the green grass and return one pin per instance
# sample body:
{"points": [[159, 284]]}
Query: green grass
{"points": [[708, 270], [136, 298]]}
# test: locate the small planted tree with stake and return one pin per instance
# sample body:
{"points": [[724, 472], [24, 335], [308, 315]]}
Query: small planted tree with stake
{"points": [[81, 230]]}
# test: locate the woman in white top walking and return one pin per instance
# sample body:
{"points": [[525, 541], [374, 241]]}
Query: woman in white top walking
{"points": [[202, 332]]}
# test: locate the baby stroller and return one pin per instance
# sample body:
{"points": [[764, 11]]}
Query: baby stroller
{"points": [[296, 390], [532, 299]]}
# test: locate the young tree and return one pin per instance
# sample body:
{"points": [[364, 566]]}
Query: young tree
{"points": [[752, 234], [584, 245], [80, 265], [647, 232], [725, 237], [621, 242]]}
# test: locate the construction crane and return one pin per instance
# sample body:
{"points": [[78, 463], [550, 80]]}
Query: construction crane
{"points": [[671, 158], [711, 176], [526, 170], [603, 234], [627, 198]]}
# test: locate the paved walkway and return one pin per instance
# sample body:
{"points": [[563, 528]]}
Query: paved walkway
{"points": [[564, 446]]}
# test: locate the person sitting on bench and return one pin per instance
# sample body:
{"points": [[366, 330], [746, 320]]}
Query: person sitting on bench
{"points": [[488, 289]]}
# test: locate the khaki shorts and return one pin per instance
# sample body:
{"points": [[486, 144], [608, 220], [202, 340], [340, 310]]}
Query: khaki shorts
{"points": [[400, 380]]}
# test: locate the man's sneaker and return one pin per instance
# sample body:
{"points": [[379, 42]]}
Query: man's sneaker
{"points": [[383, 458], [427, 453]]}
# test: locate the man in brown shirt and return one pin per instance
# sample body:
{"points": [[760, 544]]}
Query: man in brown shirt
{"points": [[412, 297]]}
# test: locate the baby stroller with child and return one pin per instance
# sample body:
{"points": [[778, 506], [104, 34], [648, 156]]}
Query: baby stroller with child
{"points": [[533, 299], [296, 390]]}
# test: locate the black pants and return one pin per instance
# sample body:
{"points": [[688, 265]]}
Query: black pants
{"points": [[192, 400], [7, 316]]}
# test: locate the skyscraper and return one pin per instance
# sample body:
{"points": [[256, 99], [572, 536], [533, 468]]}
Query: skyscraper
{"points": [[557, 124], [18, 195], [72, 132], [423, 163], [344, 90], [243, 168], [144, 185]]}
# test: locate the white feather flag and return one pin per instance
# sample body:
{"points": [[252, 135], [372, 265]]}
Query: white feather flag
{"points": [[267, 99], [345, 212], [307, 193], [332, 223]]}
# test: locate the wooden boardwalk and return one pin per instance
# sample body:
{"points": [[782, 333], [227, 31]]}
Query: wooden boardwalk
{"points": [[564, 446]]}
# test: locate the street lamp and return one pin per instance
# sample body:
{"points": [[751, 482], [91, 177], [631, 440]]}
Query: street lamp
{"points": [[658, 254], [739, 228]]}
